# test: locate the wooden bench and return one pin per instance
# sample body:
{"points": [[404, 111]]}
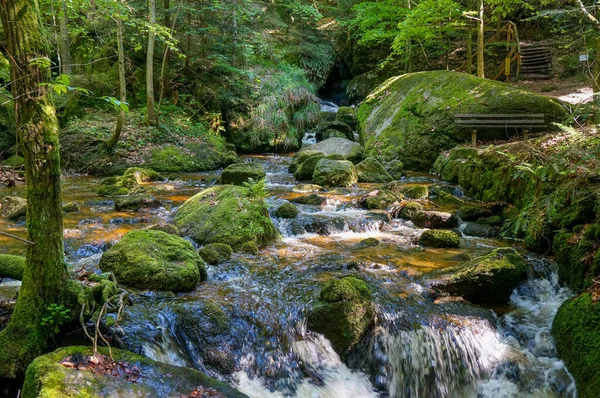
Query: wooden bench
{"points": [[524, 121]]}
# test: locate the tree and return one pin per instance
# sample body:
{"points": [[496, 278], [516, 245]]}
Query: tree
{"points": [[65, 42], [596, 72], [150, 62], [112, 143], [45, 273], [480, 40]]}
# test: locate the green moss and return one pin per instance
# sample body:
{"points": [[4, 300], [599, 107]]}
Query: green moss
{"points": [[13, 207], [351, 151], [112, 190], [168, 228], [226, 214], [70, 207], [416, 192], [343, 313], [396, 168], [434, 219], [439, 238], [578, 257], [365, 243], [304, 171], [135, 204], [312, 199], [240, 173], [46, 377], [326, 130], [286, 210], [347, 115], [472, 213], [494, 221], [301, 157], [370, 170], [335, 173], [172, 159], [576, 329], [449, 199], [410, 209], [250, 248], [11, 266], [149, 259], [14, 161], [141, 175], [215, 253], [381, 200]]}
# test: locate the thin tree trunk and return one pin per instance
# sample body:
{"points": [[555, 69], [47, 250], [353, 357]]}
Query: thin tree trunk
{"points": [[122, 87], [150, 63], [469, 52], [65, 42], [45, 273], [480, 40]]}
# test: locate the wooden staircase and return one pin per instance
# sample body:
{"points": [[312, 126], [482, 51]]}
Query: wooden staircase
{"points": [[536, 62]]}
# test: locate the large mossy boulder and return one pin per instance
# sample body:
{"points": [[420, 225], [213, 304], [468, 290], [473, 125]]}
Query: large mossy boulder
{"points": [[411, 117], [193, 157], [137, 175], [226, 214], [304, 171], [13, 207], [11, 266], [487, 279], [286, 210], [137, 203], [578, 256], [360, 86], [380, 199], [370, 170], [154, 260], [215, 253], [311, 200], [343, 313], [576, 330], [439, 238], [433, 219], [240, 173], [336, 125], [347, 115], [335, 173], [69, 373], [347, 149]]}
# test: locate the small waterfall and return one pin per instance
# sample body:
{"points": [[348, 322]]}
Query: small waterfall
{"points": [[328, 106]]}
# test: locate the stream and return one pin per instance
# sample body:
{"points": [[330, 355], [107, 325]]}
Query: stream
{"points": [[418, 347]]}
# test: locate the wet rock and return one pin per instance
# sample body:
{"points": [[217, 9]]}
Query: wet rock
{"points": [[365, 243], [136, 376], [416, 192], [328, 116], [11, 266], [112, 190], [70, 207], [379, 199], [226, 214], [360, 86], [286, 210], [330, 133], [472, 213], [136, 204], [230, 158], [351, 151], [240, 173], [307, 188], [210, 155], [168, 228], [343, 313], [301, 157], [304, 171], [395, 168], [326, 128], [481, 230], [154, 260], [410, 209], [318, 227], [335, 173], [439, 238], [313, 200], [434, 219], [494, 221], [370, 170], [14, 207], [205, 325], [347, 115], [215, 253], [487, 279], [449, 199], [136, 175], [297, 228]]}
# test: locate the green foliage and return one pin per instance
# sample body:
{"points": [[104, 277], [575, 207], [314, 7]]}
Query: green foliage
{"points": [[256, 189], [56, 315]]}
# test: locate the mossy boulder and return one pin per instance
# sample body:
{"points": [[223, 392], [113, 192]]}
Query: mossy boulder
{"points": [[434, 219], [487, 279], [411, 117], [312, 200], [335, 173], [13, 207], [301, 157], [360, 86], [481, 230], [439, 238], [370, 170], [305, 170], [136, 204], [366, 243], [286, 210], [204, 325], [250, 248], [240, 173], [576, 330], [349, 150], [410, 209], [379, 199], [47, 377], [226, 214], [70, 207], [154, 260], [472, 213], [193, 157], [395, 168], [131, 178], [343, 313], [416, 192], [215, 253], [578, 256], [494, 221], [347, 115], [140, 175], [112, 190], [14, 161], [11, 266], [168, 228], [325, 127], [446, 198], [307, 188]]}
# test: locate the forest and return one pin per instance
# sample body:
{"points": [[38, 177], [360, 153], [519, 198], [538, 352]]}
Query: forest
{"points": [[291, 198]]}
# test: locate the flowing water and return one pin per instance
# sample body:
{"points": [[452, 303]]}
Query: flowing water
{"points": [[418, 347]]}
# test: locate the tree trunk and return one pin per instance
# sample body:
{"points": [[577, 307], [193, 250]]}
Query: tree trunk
{"points": [[45, 272], [150, 63], [65, 42], [122, 87], [480, 40]]}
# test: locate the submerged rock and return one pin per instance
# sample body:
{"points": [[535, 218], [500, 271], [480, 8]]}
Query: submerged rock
{"points": [[576, 330], [365, 243], [13, 207], [286, 210], [370, 170], [343, 313], [155, 260], [411, 117], [215, 253], [136, 204], [434, 219], [487, 279], [226, 214], [68, 372], [335, 173], [439, 238], [240, 173]]}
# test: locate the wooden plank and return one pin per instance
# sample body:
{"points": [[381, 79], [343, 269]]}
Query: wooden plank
{"points": [[508, 121], [514, 115], [502, 126]]}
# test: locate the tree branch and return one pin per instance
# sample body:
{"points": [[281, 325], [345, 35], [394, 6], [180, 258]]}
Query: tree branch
{"points": [[587, 13]]}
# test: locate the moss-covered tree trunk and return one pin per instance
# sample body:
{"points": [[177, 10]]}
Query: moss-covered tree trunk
{"points": [[112, 143], [150, 63], [65, 42], [45, 273]]}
